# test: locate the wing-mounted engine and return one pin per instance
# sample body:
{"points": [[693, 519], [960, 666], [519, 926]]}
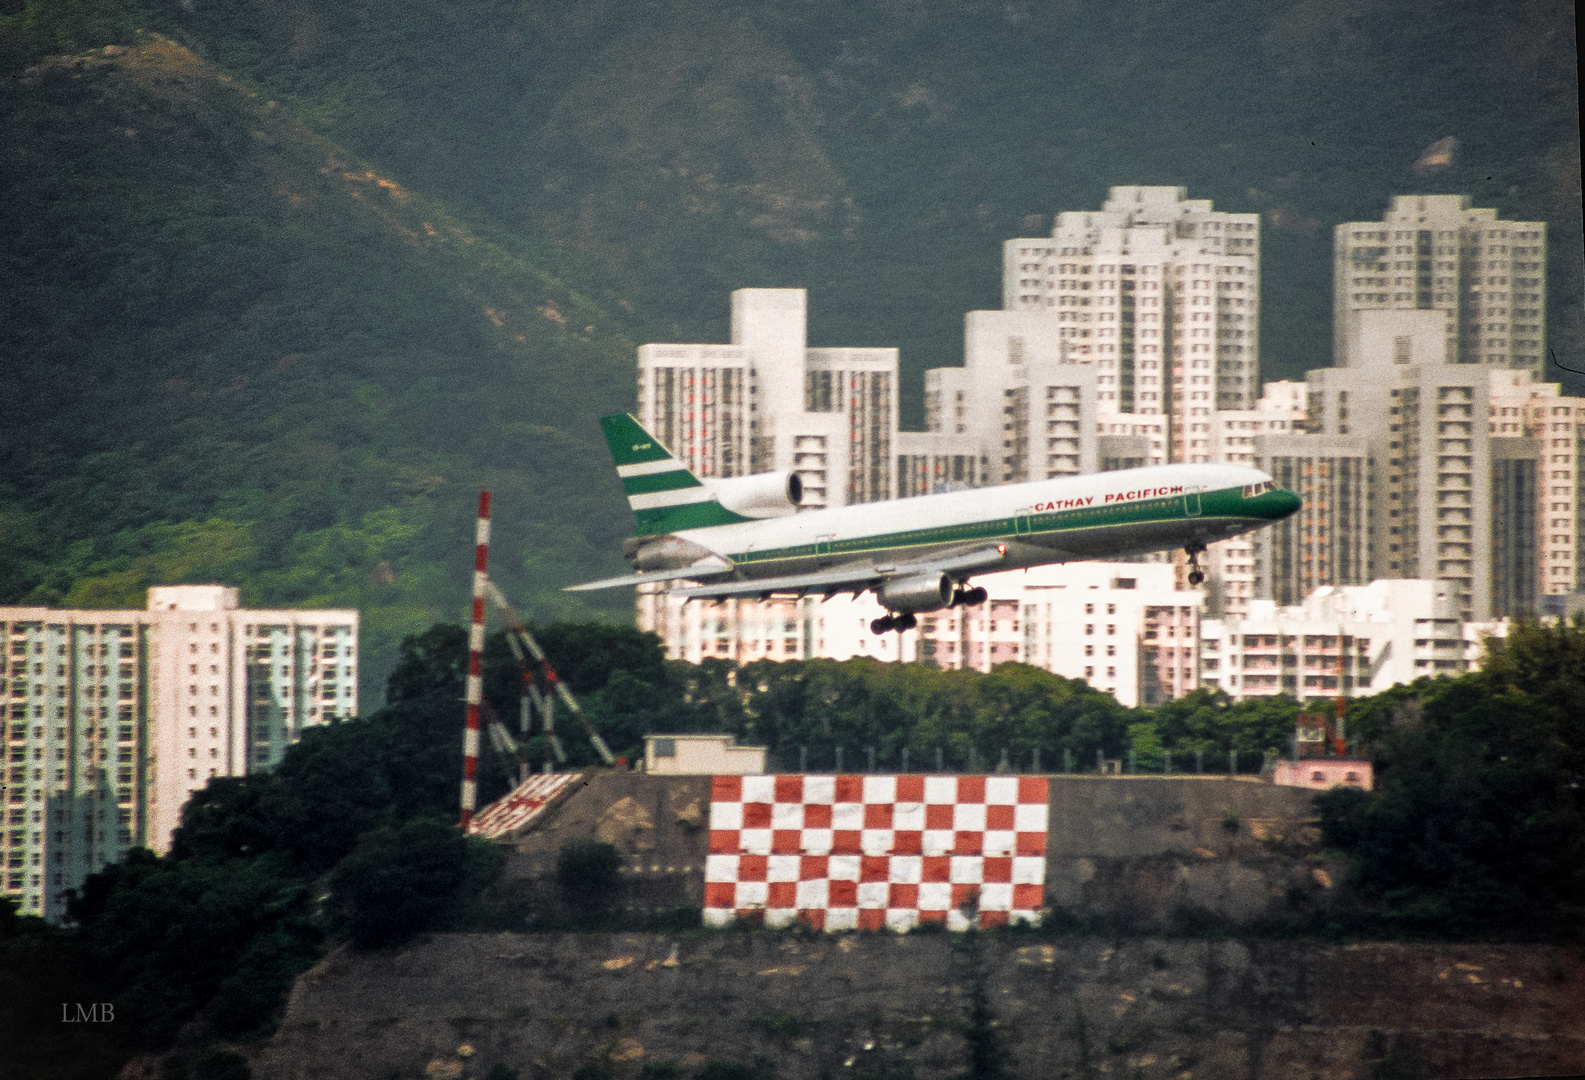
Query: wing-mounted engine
{"points": [[929, 591], [763, 495]]}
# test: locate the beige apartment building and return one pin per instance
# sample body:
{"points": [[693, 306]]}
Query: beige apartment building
{"points": [[114, 718], [1484, 276]]}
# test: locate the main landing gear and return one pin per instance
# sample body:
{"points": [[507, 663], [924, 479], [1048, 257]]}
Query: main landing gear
{"points": [[970, 597], [961, 598], [887, 623], [1194, 551]]}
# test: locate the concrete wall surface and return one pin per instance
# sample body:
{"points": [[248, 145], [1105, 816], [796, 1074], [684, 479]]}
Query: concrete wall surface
{"points": [[816, 1005], [1134, 853]]}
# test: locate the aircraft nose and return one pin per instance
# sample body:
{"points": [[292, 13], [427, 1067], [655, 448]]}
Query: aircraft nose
{"points": [[1284, 504]]}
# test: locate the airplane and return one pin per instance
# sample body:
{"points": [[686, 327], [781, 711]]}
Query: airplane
{"points": [[744, 537]]}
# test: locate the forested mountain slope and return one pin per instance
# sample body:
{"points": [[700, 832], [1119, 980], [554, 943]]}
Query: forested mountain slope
{"points": [[879, 153], [235, 352], [283, 283]]}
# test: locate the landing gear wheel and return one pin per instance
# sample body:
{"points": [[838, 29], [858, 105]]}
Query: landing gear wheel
{"points": [[970, 597], [887, 623], [1194, 551]]}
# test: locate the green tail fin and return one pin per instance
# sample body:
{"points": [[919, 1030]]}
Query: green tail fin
{"points": [[664, 493]]}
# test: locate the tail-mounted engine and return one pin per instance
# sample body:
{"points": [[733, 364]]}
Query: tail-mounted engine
{"points": [[763, 495]]}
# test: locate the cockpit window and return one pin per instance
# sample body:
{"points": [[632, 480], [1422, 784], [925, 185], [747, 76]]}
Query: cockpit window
{"points": [[1251, 490]]}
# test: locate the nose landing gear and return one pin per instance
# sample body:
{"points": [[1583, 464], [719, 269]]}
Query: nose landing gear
{"points": [[1194, 551]]}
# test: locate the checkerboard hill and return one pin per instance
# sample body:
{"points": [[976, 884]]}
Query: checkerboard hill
{"points": [[1134, 852]]}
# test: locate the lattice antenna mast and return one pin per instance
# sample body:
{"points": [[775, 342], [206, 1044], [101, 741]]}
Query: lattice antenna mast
{"points": [[516, 629], [534, 701], [470, 735]]}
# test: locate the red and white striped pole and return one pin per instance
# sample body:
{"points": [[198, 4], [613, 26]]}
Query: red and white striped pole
{"points": [[470, 737]]}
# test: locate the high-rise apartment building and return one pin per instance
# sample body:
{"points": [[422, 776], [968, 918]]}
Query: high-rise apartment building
{"points": [[1020, 408], [1471, 473], [1541, 434], [767, 402], [1395, 471], [1466, 474], [763, 403], [1161, 294], [114, 718], [1486, 278], [1230, 565]]}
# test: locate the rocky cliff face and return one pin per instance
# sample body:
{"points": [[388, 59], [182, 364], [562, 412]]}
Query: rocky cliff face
{"points": [[862, 1004]]}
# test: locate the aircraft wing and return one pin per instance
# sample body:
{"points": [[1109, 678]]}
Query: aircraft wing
{"points": [[709, 568], [845, 578]]}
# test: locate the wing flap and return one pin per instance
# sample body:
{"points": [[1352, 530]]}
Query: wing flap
{"points": [[706, 569]]}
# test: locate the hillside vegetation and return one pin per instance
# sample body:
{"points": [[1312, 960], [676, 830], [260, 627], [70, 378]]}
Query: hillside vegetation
{"points": [[282, 284], [237, 353]]}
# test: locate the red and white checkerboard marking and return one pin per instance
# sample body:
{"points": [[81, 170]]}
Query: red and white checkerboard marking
{"points": [[866, 852]]}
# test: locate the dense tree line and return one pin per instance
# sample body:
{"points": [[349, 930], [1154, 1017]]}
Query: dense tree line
{"points": [[1477, 822]]}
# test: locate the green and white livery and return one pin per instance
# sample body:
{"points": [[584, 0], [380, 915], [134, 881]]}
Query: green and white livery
{"points": [[743, 537]]}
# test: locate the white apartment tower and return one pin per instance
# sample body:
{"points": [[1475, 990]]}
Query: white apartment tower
{"points": [[1020, 408], [1161, 294], [763, 403], [1484, 276], [767, 402], [112, 719], [1542, 433]]}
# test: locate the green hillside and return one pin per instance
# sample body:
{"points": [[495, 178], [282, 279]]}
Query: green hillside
{"points": [[282, 284], [235, 352]]}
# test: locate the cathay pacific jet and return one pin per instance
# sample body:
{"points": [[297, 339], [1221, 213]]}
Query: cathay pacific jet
{"points": [[744, 536]]}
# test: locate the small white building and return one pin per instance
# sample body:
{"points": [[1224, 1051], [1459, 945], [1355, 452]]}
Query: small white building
{"points": [[701, 755], [1321, 774], [1343, 641]]}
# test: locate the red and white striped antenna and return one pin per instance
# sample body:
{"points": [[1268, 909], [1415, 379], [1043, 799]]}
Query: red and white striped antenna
{"points": [[470, 737]]}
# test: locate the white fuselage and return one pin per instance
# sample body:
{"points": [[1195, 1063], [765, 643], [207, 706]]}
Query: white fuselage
{"points": [[918, 527]]}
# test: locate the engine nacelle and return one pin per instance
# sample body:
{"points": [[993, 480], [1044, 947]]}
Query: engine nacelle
{"points": [[763, 495], [916, 592], [664, 553]]}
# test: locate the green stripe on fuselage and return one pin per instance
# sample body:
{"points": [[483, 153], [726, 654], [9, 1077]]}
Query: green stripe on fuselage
{"points": [[1222, 505], [674, 480]]}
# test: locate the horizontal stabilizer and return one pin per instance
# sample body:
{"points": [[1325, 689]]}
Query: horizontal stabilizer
{"points": [[845, 578], [707, 569]]}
